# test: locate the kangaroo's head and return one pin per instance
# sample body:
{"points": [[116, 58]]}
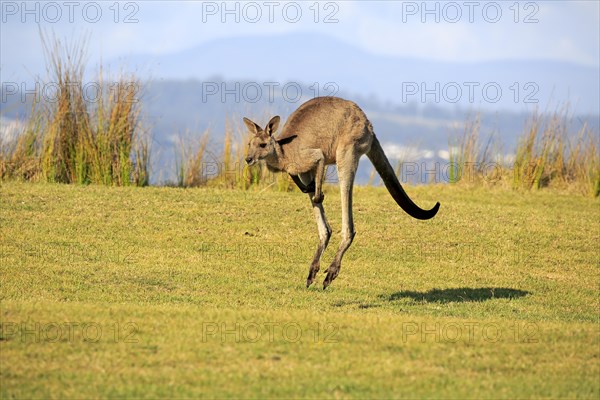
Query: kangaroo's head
{"points": [[261, 143]]}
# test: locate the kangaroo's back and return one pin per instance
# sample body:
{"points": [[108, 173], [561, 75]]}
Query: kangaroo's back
{"points": [[326, 123]]}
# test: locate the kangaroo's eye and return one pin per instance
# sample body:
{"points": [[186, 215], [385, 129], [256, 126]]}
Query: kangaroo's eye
{"points": [[263, 145]]}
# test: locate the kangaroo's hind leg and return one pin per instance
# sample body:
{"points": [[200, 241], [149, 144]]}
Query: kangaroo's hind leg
{"points": [[324, 236], [347, 163]]}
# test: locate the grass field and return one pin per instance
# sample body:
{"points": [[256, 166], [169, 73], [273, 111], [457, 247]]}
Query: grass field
{"points": [[156, 292]]}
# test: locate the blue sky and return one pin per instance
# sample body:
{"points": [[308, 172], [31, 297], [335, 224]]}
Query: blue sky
{"points": [[565, 30]]}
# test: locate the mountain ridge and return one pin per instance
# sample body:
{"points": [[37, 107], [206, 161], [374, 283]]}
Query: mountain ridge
{"points": [[322, 59]]}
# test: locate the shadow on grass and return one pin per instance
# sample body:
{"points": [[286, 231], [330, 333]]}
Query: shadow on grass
{"points": [[459, 295]]}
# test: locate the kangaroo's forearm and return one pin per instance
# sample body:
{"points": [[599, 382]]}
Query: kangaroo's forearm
{"points": [[318, 198]]}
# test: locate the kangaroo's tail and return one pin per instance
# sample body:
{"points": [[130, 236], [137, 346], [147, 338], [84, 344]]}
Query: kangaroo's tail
{"points": [[385, 170]]}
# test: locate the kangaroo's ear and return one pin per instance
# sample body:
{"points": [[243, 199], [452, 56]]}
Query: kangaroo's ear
{"points": [[272, 126], [252, 127]]}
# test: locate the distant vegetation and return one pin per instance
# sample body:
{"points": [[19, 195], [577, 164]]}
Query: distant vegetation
{"points": [[547, 155], [74, 140]]}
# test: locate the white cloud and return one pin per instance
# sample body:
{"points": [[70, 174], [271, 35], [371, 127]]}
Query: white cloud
{"points": [[10, 129], [406, 153], [444, 154]]}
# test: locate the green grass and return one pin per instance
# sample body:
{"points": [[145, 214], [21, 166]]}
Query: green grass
{"points": [[123, 292]]}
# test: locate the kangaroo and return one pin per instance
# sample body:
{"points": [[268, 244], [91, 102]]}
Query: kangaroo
{"points": [[325, 131]]}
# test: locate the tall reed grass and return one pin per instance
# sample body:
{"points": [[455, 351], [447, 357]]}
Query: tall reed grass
{"points": [[190, 158], [548, 154], [74, 137], [470, 160]]}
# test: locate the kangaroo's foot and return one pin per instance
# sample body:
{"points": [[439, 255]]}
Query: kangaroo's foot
{"points": [[332, 273], [312, 273]]}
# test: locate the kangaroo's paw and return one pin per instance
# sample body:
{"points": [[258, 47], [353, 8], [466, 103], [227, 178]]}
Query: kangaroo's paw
{"points": [[318, 198]]}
